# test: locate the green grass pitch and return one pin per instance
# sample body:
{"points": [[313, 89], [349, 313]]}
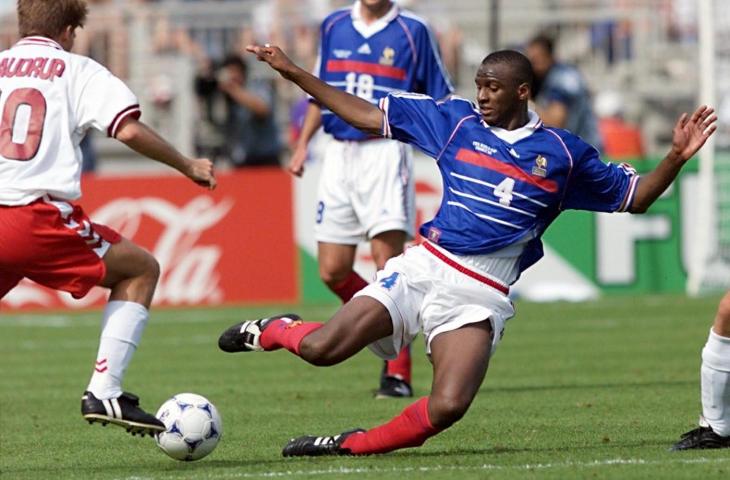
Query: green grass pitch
{"points": [[588, 390]]}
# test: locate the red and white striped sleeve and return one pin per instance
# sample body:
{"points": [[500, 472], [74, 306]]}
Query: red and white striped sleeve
{"points": [[104, 100]]}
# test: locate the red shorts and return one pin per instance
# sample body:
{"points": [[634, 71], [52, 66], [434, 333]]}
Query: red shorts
{"points": [[53, 243]]}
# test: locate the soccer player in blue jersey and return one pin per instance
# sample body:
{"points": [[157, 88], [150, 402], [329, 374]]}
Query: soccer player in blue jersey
{"points": [[366, 190], [506, 178]]}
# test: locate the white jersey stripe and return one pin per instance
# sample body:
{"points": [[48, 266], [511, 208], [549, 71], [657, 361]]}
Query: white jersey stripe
{"points": [[414, 52], [629, 197], [487, 184], [451, 137], [491, 202], [484, 216], [384, 103], [562, 143]]}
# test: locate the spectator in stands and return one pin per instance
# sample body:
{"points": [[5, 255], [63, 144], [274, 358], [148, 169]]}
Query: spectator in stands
{"points": [[561, 94], [622, 140], [250, 131], [209, 139]]}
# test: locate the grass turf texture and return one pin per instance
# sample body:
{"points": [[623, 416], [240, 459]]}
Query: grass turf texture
{"points": [[591, 390]]}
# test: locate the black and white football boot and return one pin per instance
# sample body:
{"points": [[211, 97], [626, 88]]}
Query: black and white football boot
{"points": [[392, 387], [310, 446], [701, 438], [123, 411], [246, 336]]}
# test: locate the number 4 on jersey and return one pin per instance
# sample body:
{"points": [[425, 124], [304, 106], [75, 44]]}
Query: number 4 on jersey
{"points": [[503, 191]]}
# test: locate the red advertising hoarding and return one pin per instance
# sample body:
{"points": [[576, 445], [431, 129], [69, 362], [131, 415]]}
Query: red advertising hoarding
{"points": [[232, 245]]}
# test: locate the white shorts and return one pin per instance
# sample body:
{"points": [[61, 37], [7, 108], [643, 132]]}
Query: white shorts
{"points": [[424, 292], [366, 188]]}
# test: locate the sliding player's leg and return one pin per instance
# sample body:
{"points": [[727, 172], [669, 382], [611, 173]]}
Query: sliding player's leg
{"points": [[357, 324], [714, 429], [460, 359], [131, 275]]}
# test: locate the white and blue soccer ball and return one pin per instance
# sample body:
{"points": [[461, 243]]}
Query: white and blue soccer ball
{"points": [[193, 427]]}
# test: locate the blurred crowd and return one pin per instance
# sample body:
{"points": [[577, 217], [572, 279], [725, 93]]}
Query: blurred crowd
{"points": [[247, 117], [237, 119]]}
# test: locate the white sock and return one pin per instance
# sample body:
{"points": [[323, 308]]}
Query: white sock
{"points": [[715, 374], [121, 331]]}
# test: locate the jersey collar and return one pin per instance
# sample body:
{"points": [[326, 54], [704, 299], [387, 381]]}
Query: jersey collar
{"points": [[368, 31], [39, 41], [513, 136]]}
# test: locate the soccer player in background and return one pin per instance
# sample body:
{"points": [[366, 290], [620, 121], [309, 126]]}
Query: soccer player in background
{"points": [[366, 191], [561, 94], [50, 98], [714, 425], [506, 178]]}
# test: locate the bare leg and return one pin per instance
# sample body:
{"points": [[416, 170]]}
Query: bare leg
{"points": [[335, 262], [131, 275], [357, 324], [387, 245], [722, 318], [460, 361], [715, 372]]}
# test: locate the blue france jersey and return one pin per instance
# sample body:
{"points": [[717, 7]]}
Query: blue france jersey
{"points": [[396, 53], [503, 188]]}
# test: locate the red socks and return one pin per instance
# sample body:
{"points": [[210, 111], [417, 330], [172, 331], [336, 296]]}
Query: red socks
{"points": [[401, 366], [409, 429], [286, 334], [349, 286]]}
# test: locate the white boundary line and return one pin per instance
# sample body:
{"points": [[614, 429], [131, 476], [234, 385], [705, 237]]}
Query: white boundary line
{"points": [[445, 468]]}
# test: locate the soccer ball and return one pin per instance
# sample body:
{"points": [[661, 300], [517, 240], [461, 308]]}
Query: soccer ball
{"points": [[193, 427]]}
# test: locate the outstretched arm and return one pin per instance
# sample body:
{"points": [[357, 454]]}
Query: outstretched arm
{"points": [[359, 113], [689, 135], [142, 139]]}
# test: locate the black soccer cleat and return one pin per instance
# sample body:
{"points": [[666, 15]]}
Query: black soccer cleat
{"points": [[310, 446], [123, 411], [392, 387], [699, 439], [246, 336]]}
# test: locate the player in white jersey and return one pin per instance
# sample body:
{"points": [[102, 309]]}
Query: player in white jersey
{"points": [[50, 98], [714, 425], [366, 190]]}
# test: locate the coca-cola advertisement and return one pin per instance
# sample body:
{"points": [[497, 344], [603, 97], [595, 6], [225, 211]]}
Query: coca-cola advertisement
{"points": [[232, 245]]}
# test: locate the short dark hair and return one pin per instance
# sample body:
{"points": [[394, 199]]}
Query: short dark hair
{"points": [[544, 41], [49, 18], [520, 65], [234, 60]]}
